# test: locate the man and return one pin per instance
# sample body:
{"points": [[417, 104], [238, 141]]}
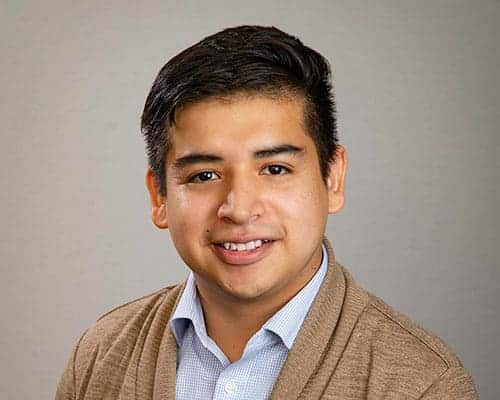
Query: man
{"points": [[244, 168]]}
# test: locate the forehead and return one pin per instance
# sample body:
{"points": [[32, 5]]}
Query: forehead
{"points": [[240, 123]]}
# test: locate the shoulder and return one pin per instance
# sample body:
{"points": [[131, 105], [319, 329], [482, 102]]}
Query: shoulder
{"points": [[101, 359], [118, 330], [393, 333], [129, 316], [396, 348], [396, 333]]}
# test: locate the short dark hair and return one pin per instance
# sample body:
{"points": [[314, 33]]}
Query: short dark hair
{"points": [[245, 59]]}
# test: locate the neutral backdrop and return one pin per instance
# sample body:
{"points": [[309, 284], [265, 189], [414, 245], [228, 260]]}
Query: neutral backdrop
{"points": [[417, 87]]}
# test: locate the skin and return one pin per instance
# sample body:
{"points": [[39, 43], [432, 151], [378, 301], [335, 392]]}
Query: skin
{"points": [[238, 194]]}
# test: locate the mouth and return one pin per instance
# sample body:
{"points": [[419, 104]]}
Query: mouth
{"points": [[246, 246], [243, 253]]}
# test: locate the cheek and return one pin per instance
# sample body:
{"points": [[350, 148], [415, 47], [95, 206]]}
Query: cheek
{"points": [[187, 213], [179, 212], [303, 211], [302, 201]]}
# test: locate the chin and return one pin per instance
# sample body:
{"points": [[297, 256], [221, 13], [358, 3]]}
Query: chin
{"points": [[245, 293]]}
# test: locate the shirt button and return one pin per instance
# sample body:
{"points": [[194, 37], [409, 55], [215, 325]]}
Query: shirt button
{"points": [[230, 388]]}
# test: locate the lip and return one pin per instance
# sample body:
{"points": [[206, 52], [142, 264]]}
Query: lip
{"points": [[243, 257]]}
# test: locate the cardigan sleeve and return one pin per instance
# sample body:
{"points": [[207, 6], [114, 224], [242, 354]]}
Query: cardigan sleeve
{"points": [[454, 384], [66, 387]]}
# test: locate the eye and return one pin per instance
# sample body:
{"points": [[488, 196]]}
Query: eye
{"points": [[275, 169], [203, 176]]}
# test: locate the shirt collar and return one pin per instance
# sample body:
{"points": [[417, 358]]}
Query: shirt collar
{"points": [[285, 323], [188, 311]]}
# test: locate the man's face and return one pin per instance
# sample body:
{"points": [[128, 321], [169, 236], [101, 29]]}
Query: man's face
{"points": [[246, 205]]}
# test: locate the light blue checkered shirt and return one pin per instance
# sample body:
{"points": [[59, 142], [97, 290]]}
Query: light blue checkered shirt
{"points": [[204, 372]]}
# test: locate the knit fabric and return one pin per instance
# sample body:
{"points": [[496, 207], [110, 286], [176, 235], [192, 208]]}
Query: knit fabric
{"points": [[351, 346]]}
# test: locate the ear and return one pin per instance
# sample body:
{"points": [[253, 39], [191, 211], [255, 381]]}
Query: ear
{"points": [[158, 202], [335, 180]]}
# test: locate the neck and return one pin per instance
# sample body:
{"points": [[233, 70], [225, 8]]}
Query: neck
{"points": [[242, 313], [231, 323]]}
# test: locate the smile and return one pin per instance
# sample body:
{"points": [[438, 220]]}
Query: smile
{"points": [[243, 253], [251, 245]]}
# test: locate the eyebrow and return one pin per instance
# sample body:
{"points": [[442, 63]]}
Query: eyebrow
{"points": [[280, 149], [196, 158]]}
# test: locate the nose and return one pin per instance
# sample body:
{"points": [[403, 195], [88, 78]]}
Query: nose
{"points": [[241, 203]]}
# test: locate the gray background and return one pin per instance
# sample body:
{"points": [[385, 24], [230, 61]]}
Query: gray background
{"points": [[417, 88]]}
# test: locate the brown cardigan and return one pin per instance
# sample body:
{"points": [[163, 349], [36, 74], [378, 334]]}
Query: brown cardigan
{"points": [[351, 346]]}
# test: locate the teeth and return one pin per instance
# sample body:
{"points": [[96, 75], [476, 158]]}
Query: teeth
{"points": [[252, 245]]}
